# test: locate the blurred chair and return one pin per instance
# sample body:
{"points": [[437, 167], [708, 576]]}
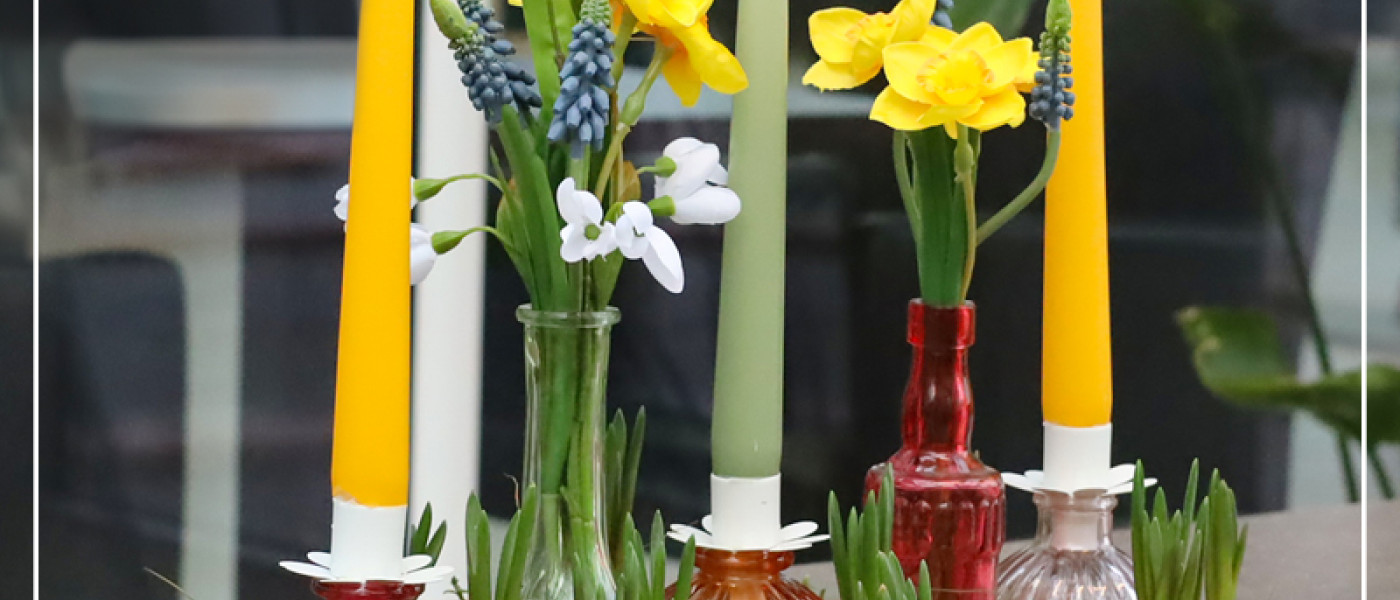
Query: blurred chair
{"points": [[173, 123], [112, 384]]}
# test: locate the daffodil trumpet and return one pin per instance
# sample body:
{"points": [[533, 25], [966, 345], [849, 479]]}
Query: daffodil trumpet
{"points": [[945, 90]]}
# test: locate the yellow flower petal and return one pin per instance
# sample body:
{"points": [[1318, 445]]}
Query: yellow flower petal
{"points": [[682, 78], [979, 37], [826, 76], [516, 3], [831, 30], [912, 19], [939, 38], [1005, 108], [899, 112], [1008, 61], [903, 62], [715, 64], [679, 13]]}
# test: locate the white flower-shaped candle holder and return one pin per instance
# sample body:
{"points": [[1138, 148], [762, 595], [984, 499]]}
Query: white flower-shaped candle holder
{"points": [[746, 517], [416, 569], [367, 545]]}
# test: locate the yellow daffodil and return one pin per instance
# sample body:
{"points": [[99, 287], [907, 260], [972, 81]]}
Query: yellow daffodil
{"points": [[850, 43], [947, 79], [696, 58]]}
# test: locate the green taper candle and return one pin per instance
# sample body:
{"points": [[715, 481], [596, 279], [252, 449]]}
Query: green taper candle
{"points": [[747, 434]]}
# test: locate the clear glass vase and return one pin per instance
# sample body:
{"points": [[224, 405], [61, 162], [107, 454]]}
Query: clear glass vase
{"points": [[367, 590], [747, 575], [566, 372], [1072, 557], [949, 508]]}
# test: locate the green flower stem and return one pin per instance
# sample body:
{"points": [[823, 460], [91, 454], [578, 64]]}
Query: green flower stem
{"points": [[906, 184], [624, 39], [965, 164], [1028, 195], [628, 117]]}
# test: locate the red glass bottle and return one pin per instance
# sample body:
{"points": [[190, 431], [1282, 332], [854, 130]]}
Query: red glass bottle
{"points": [[748, 575], [949, 509], [367, 590]]}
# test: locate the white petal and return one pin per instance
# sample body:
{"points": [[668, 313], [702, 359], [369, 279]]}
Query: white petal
{"points": [[708, 522], [709, 206], [798, 530], [421, 262], [664, 261], [421, 255], [309, 570], [320, 558], [692, 172], [415, 562], [572, 250], [719, 175], [429, 575], [576, 207], [342, 202], [639, 215], [680, 147], [631, 229]]}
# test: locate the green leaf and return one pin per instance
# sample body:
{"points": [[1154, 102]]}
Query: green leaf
{"points": [[419, 541], [1238, 357], [658, 557], [686, 576], [1007, 16]]}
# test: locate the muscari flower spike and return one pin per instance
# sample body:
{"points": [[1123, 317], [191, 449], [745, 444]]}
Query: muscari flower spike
{"points": [[1051, 100], [492, 81], [582, 109], [940, 14]]}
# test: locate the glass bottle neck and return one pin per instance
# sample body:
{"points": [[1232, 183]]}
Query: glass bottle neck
{"points": [[1074, 523], [724, 564], [938, 399]]}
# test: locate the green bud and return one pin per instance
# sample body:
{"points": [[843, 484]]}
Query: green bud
{"points": [[450, 20], [446, 241], [592, 231], [634, 107], [664, 206], [664, 167], [426, 189]]}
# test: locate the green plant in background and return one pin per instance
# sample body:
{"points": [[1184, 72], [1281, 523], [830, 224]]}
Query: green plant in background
{"points": [[1198, 548], [1236, 352], [641, 576], [866, 567]]}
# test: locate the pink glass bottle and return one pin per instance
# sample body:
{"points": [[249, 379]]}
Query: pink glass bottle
{"points": [[949, 508], [367, 590]]}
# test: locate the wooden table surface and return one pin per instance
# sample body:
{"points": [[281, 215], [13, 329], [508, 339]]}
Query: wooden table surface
{"points": [[1308, 554]]}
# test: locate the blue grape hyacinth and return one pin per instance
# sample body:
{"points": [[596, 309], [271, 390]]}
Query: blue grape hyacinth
{"points": [[1051, 101], [581, 112], [493, 81], [940, 14]]}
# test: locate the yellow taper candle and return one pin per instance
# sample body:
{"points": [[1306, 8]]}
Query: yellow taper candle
{"points": [[369, 463], [1078, 366]]}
